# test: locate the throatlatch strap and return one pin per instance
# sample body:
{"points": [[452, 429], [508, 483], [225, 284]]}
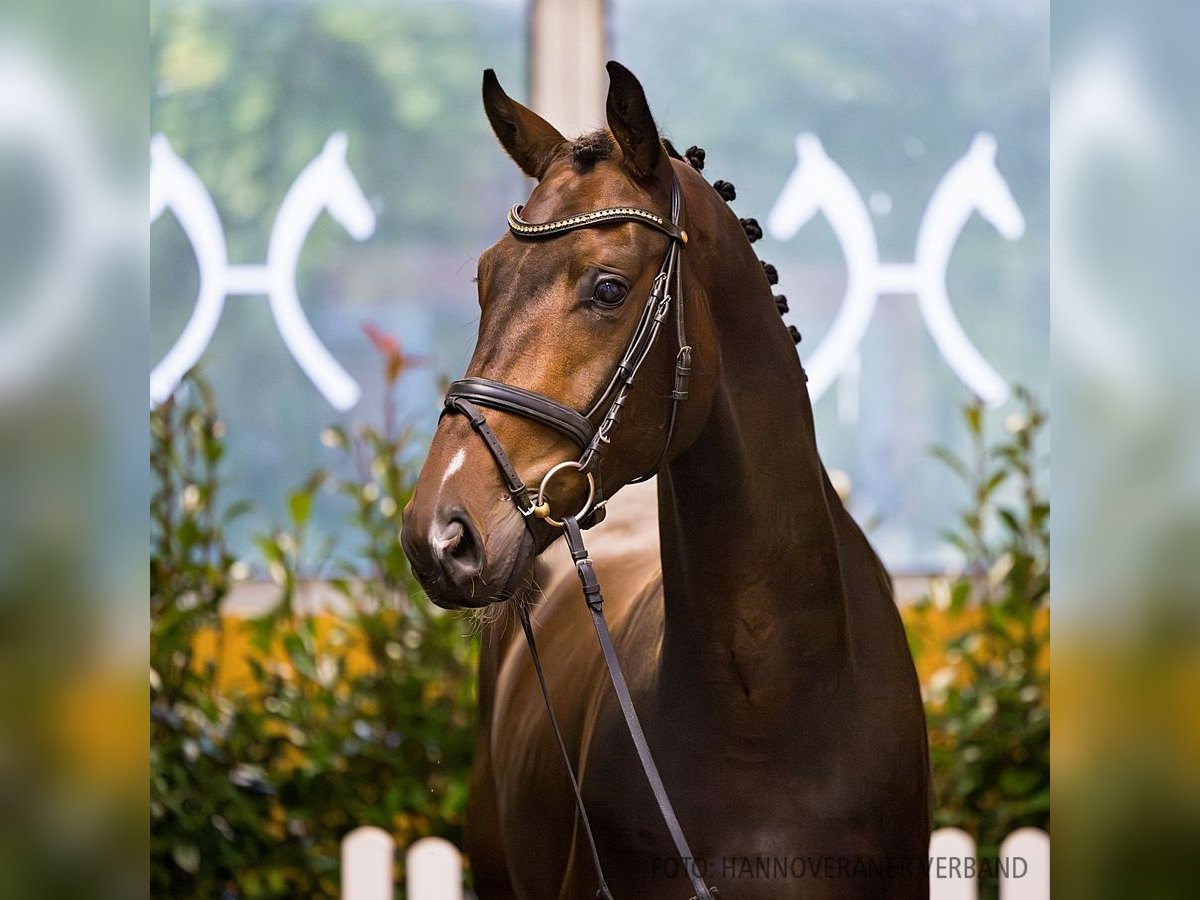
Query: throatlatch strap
{"points": [[595, 605]]}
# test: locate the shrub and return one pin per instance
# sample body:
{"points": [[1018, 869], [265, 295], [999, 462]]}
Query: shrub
{"points": [[355, 719], [988, 707]]}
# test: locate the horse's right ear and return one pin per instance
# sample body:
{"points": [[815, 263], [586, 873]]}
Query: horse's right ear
{"points": [[530, 140]]}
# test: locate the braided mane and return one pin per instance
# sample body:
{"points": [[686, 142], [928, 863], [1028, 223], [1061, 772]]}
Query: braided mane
{"points": [[588, 149], [695, 158]]}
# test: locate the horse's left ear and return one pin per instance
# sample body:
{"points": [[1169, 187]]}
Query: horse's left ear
{"points": [[632, 126]]}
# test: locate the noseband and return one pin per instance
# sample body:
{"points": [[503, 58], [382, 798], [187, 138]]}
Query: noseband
{"points": [[467, 395]]}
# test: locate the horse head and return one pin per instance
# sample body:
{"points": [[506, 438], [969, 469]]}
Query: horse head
{"points": [[343, 196], [803, 193], [982, 184], [174, 185], [557, 315], [1102, 103]]}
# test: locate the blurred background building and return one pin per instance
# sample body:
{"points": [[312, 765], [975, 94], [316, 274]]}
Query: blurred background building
{"points": [[894, 94]]}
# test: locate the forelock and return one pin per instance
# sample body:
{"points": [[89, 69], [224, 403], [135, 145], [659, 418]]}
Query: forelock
{"points": [[591, 148]]}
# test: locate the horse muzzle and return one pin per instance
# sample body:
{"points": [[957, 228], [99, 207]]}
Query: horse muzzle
{"points": [[462, 563]]}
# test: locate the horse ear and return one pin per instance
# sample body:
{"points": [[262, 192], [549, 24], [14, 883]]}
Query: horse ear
{"points": [[984, 144], [337, 144], [631, 124], [529, 139]]}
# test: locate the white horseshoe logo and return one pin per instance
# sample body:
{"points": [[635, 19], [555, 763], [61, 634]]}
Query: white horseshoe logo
{"points": [[818, 184], [1099, 104], [39, 112], [325, 183]]}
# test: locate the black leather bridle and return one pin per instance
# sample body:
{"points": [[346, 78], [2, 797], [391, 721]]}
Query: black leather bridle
{"points": [[467, 395]]}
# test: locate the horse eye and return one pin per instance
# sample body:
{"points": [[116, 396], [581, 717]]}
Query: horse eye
{"points": [[609, 292]]}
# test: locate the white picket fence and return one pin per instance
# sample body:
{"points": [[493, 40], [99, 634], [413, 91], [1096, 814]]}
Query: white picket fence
{"points": [[434, 868], [1023, 865]]}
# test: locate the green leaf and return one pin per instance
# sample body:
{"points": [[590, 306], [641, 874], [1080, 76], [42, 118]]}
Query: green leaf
{"points": [[952, 461], [300, 506], [956, 540], [973, 414], [237, 509], [315, 481], [269, 548], [1010, 520], [299, 655], [960, 591], [998, 478]]}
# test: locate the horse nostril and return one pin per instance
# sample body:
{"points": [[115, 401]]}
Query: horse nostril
{"points": [[449, 540], [459, 550]]}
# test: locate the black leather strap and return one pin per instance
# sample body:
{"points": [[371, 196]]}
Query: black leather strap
{"points": [[523, 613], [516, 487], [468, 394], [510, 399], [595, 605]]}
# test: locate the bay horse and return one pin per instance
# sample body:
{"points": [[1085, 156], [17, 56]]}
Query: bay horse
{"points": [[761, 643]]}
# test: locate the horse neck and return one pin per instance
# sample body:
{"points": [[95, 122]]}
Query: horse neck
{"points": [[839, 199], [301, 206], [751, 567], [946, 216], [181, 190], [851, 222]]}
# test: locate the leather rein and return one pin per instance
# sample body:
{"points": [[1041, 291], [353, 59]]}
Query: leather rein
{"points": [[467, 395]]}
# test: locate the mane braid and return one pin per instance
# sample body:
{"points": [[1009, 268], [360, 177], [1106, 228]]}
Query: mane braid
{"points": [[695, 158]]}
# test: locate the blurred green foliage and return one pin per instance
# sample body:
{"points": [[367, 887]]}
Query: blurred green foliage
{"points": [[988, 706], [356, 719], [249, 93]]}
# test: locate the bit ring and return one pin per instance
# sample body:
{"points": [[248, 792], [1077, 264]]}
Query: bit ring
{"points": [[541, 506]]}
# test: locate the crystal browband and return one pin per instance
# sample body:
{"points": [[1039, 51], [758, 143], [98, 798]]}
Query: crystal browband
{"points": [[520, 227]]}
